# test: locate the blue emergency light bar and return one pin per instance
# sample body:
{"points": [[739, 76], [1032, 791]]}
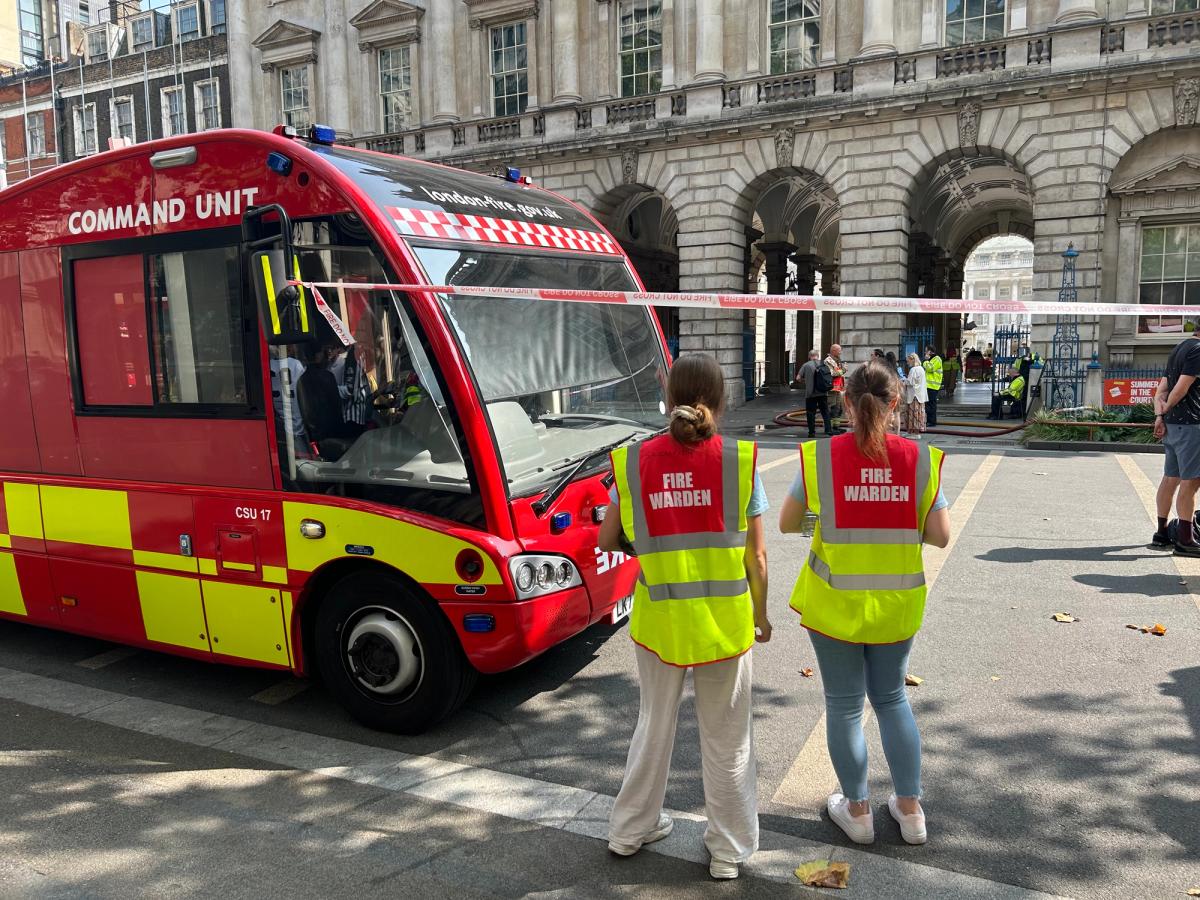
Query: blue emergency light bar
{"points": [[322, 134], [279, 163], [560, 522], [479, 623]]}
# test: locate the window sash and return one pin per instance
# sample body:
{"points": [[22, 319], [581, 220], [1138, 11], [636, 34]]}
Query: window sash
{"points": [[293, 92], [123, 118], [85, 129], [395, 87], [146, 37], [973, 21], [35, 134], [174, 111], [510, 69], [1169, 273], [187, 20], [640, 43], [795, 35]]}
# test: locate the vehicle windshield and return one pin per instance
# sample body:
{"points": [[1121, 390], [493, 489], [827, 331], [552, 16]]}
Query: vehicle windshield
{"points": [[558, 380]]}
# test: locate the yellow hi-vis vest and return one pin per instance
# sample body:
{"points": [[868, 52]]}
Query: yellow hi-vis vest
{"points": [[866, 585], [933, 372], [692, 603]]}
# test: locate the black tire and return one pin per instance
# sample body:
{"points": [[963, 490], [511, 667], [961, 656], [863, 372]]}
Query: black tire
{"points": [[376, 604]]}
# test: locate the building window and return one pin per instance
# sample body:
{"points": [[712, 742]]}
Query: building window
{"points": [[969, 21], [122, 119], [35, 134], [1166, 7], [1170, 274], [1027, 290], [33, 48], [395, 87], [293, 85], [510, 70], [85, 129], [208, 104], [640, 31], [983, 293], [174, 111], [187, 22], [84, 12], [795, 34], [216, 19], [142, 34], [97, 45]]}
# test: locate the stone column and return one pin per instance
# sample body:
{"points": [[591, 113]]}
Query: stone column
{"points": [[565, 22], [1075, 11], [710, 40], [240, 69], [806, 281], [778, 370], [441, 40], [829, 320], [879, 28], [335, 108]]}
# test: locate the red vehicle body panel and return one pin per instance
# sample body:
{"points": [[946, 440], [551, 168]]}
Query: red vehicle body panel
{"points": [[218, 479]]}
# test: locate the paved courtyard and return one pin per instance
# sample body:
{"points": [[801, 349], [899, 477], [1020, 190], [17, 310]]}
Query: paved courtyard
{"points": [[1059, 758]]}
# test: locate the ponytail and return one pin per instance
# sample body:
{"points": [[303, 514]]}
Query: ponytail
{"points": [[870, 390], [696, 391], [693, 424]]}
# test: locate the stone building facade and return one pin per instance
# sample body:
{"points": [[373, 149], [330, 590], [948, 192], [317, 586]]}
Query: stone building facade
{"points": [[999, 269], [866, 144]]}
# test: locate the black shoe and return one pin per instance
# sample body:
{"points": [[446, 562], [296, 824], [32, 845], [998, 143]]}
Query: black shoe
{"points": [[1187, 550], [838, 431], [1161, 540], [812, 434]]}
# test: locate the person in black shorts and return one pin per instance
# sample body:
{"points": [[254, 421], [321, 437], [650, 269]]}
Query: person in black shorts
{"points": [[1177, 423]]}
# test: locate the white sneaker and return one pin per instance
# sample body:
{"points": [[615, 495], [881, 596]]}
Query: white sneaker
{"points": [[721, 870], [860, 829], [665, 824], [912, 827]]}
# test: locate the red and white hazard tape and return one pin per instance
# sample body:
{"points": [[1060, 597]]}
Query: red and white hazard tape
{"points": [[779, 301]]}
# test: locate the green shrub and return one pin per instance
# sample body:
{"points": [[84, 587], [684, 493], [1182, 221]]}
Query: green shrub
{"points": [[1043, 428]]}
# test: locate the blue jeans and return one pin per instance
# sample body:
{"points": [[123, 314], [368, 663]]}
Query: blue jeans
{"points": [[849, 673]]}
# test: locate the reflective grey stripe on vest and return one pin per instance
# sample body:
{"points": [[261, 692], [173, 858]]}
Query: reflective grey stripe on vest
{"points": [[731, 490], [694, 590], [831, 534], [864, 582]]}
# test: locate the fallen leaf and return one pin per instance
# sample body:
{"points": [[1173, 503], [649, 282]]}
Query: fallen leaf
{"points": [[913, 680], [1194, 892], [1158, 629], [1134, 627], [806, 672], [823, 873], [1144, 629], [995, 678], [1064, 617], [1184, 583], [1041, 473], [1012, 607]]}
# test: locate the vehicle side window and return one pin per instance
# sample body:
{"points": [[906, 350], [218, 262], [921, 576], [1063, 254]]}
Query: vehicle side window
{"points": [[164, 332], [197, 337]]}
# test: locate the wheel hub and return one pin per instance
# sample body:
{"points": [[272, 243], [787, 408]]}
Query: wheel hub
{"points": [[383, 653]]}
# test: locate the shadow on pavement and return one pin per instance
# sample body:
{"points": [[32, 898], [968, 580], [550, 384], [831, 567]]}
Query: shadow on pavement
{"points": [[1116, 553], [1174, 807], [1147, 585]]}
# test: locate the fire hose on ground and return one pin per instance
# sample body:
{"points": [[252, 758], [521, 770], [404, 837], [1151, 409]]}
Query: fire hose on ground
{"points": [[795, 418]]}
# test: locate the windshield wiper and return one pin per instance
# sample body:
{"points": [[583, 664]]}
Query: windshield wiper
{"points": [[594, 417], [540, 506]]}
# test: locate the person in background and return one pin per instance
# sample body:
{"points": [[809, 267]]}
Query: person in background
{"points": [[950, 369], [700, 603], [1010, 395], [817, 380], [1177, 423], [933, 382], [916, 396], [834, 362], [895, 366], [877, 498]]}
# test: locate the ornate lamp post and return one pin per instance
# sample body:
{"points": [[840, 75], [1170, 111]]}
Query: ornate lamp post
{"points": [[1063, 374]]}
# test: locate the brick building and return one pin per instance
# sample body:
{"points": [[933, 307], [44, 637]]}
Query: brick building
{"points": [[868, 145], [138, 74]]}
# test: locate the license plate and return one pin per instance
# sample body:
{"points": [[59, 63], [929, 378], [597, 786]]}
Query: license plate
{"points": [[621, 610]]}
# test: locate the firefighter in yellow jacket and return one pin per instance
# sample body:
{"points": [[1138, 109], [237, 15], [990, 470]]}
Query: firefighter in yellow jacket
{"points": [[861, 594], [690, 504]]}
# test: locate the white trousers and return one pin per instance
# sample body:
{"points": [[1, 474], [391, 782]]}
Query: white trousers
{"points": [[723, 709]]}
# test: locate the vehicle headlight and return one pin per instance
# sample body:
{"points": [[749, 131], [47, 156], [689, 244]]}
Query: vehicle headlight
{"points": [[524, 577], [534, 575]]}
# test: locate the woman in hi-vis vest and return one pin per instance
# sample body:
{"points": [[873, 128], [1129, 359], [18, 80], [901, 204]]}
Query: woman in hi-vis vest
{"points": [[861, 594], [689, 504]]}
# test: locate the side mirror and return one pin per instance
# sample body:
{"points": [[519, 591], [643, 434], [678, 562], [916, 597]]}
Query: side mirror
{"points": [[286, 311]]}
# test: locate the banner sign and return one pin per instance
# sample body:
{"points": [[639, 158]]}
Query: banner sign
{"points": [[1129, 391]]}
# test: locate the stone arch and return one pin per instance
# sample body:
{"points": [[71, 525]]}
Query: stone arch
{"points": [[645, 223]]}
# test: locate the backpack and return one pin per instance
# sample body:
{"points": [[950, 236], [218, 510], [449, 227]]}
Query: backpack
{"points": [[822, 379]]}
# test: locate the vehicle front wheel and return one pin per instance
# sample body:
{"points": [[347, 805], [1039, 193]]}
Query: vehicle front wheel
{"points": [[389, 655]]}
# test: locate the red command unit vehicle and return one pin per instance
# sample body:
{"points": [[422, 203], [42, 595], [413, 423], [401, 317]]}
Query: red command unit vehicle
{"points": [[398, 491]]}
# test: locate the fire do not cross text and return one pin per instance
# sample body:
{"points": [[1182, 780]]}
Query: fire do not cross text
{"points": [[210, 205]]}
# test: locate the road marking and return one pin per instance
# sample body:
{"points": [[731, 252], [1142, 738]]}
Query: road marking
{"points": [[107, 658], [811, 777], [281, 692], [574, 810], [793, 458], [1187, 567]]}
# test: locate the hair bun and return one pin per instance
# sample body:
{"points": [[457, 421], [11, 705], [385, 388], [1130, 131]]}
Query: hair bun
{"points": [[688, 414]]}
